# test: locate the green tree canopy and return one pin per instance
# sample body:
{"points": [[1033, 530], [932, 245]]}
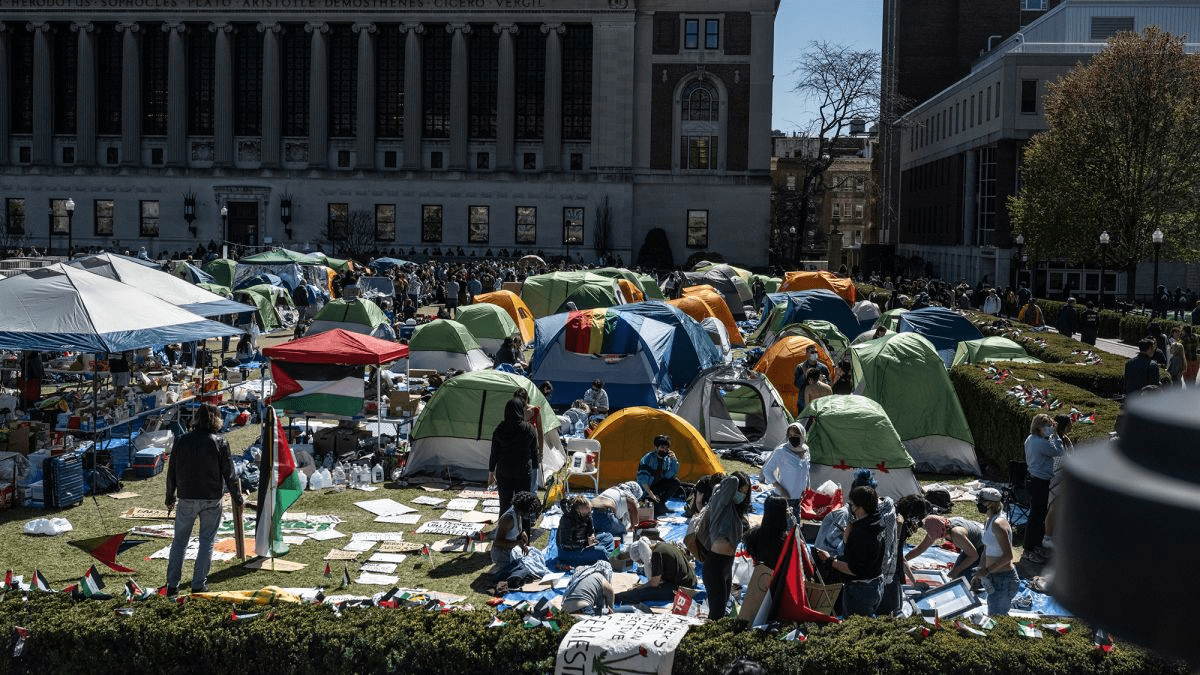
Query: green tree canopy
{"points": [[1122, 155]]}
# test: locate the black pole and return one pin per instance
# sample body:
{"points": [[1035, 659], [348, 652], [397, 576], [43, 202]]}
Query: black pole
{"points": [[1154, 290], [70, 231], [1103, 266]]}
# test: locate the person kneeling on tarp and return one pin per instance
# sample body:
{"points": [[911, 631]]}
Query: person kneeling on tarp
{"points": [[578, 541], [590, 590], [666, 568], [658, 474]]}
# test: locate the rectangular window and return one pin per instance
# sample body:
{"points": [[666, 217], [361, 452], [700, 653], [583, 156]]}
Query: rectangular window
{"points": [[20, 92], [297, 57], [108, 71], [154, 81], [691, 34], [15, 211], [481, 75], [247, 80], [712, 33], [837, 210], [981, 106], [860, 183], [577, 84], [385, 222], [526, 225], [478, 224], [389, 84], [104, 217], [339, 221], [1104, 27], [149, 218], [858, 211], [60, 222], [572, 225], [343, 81], [66, 63], [973, 111], [435, 97], [431, 222], [1028, 97], [997, 100], [1033, 5], [698, 152], [697, 228], [986, 203], [201, 82], [988, 106], [530, 88]]}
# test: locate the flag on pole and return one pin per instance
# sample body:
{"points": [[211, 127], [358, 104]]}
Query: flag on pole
{"points": [[135, 592], [40, 583], [1102, 640], [19, 644], [278, 488], [496, 623], [1060, 628], [106, 548], [8, 579], [242, 616], [91, 585], [345, 577], [427, 553], [123, 611], [328, 572], [1027, 629]]}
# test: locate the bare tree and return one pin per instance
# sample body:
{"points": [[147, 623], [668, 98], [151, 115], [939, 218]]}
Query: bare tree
{"points": [[10, 241], [353, 237]]}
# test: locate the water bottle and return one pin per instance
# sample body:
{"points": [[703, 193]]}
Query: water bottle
{"points": [[377, 473], [303, 480], [328, 463], [339, 474]]}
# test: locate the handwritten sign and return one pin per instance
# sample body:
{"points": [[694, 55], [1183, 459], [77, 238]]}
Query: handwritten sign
{"points": [[627, 643], [449, 527]]}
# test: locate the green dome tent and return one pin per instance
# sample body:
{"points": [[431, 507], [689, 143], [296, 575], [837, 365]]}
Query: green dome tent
{"points": [[890, 319], [907, 377], [848, 432], [223, 270], [993, 348], [546, 294], [489, 324], [651, 287], [356, 316], [453, 433], [818, 329], [444, 345]]}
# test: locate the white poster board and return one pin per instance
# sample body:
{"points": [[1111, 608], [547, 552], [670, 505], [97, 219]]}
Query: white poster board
{"points": [[625, 643]]}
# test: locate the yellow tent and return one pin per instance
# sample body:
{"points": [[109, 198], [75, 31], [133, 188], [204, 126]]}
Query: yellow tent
{"points": [[631, 292], [628, 434], [778, 363], [516, 308], [804, 281], [717, 307]]}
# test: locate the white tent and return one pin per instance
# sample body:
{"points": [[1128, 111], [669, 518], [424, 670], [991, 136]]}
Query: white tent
{"points": [[453, 433], [162, 285], [720, 336], [62, 308], [732, 406]]}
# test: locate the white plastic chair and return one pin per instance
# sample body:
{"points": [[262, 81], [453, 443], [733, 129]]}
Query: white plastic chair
{"points": [[579, 449]]}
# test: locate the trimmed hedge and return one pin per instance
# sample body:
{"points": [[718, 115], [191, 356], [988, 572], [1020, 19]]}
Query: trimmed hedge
{"points": [[1000, 423], [199, 637], [1128, 328]]}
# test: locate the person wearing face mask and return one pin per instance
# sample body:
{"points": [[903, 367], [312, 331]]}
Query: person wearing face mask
{"points": [[787, 468], [800, 375], [862, 559], [577, 540], [996, 573], [723, 522], [658, 474], [596, 398], [1041, 447]]}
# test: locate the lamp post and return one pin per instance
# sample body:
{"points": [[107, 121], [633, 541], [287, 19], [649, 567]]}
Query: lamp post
{"points": [[189, 212], [224, 231], [1157, 238], [70, 206], [285, 215], [1103, 263], [1020, 243]]}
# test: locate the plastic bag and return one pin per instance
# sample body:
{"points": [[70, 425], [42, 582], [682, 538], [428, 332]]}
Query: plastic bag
{"points": [[47, 526], [743, 567]]}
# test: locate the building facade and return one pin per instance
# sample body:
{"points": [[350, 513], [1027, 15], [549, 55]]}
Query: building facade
{"points": [[517, 124], [960, 149]]}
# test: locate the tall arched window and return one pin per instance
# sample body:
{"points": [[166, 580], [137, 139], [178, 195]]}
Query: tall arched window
{"points": [[699, 125]]}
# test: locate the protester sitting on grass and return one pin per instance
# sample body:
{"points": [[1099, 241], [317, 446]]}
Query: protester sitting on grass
{"points": [[658, 474], [511, 541], [996, 574], [615, 510], [666, 568], [596, 398], [578, 542], [590, 590]]}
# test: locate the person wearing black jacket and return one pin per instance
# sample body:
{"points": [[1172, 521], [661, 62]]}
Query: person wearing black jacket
{"points": [[513, 459], [1142, 370], [862, 560], [199, 470]]}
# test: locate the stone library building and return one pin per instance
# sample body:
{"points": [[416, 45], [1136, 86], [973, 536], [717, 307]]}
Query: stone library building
{"points": [[551, 125]]}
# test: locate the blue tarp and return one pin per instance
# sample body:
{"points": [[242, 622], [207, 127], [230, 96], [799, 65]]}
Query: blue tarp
{"points": [[944, 328], [264, 278]]}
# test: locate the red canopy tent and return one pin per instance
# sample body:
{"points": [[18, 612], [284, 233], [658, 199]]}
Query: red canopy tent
{"points": [[333, 348]]}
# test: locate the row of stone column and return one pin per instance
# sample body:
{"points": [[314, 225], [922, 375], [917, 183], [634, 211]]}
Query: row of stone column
{"points": [[318, 139]]}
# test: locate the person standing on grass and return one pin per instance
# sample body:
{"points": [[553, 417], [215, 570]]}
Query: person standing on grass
{"points": [[996, 574], [199, 470], [512, 463], [723, 522], [1041, 447]]}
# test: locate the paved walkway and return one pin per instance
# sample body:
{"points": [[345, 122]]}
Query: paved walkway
{"points": [[1116, 347]]}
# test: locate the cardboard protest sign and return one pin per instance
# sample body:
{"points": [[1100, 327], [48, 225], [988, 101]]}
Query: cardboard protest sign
{"points": [[449, 527], [626, 643]]}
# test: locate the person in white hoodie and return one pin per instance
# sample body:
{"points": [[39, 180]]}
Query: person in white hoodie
{"points": [[787, 468]]}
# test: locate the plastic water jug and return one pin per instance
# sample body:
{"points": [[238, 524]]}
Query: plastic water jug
{"points": [[377, 473], [339, 474]]}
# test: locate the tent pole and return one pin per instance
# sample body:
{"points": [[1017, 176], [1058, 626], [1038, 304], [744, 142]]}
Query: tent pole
{"points": [[378, 405]]}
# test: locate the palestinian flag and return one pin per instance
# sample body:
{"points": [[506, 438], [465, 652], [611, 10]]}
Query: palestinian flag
{"points": [[787, 598], [328, 572], [496, 623], [91, 584], [135, 592], [278, 487], [9, 582], [19, 640], [795, 636], [345, 577], [40, 583], [123, 611], [242, 616], [1028, 630], [317, 387], [1059, 628], [968, 629]]}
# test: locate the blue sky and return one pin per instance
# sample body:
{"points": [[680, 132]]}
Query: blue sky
{"points": [[858, 23]]}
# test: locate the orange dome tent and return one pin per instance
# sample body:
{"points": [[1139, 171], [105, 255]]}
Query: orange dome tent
{"points": [[714, 305], [516, 308], [778, 363], [804, 281], [631, 292], [628, 434]]}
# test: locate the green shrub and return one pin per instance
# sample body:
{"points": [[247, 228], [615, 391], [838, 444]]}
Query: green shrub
{"points": [[1000, 423], [198, 638], [1133, 327]]}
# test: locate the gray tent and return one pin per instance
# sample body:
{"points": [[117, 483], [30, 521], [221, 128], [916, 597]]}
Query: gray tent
{"points": [[735, 407]]}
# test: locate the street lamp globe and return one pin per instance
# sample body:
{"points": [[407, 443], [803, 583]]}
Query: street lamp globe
{"points": [[1020, 240], [1157, 236], [1104, 239], [70, 206]]}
